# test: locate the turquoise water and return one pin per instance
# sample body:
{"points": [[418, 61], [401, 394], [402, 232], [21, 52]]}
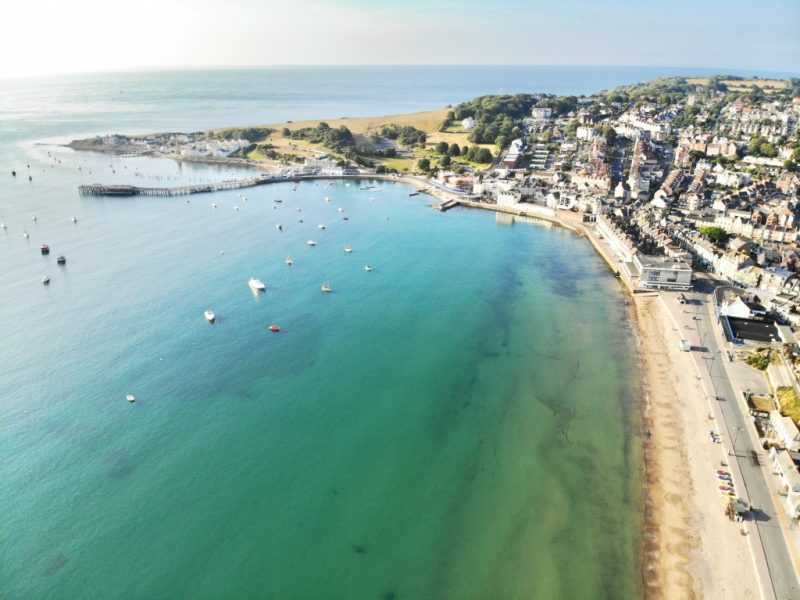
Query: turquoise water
{"points": [[458, 423]]}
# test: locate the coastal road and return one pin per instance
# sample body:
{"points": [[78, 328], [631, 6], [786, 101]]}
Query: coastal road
{"points": [[778, 557]]}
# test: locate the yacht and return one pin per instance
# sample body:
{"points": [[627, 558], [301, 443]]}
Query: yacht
{"points": [[45, 279], [209, 315], [311, 243], [256, 284], [326, 287]]}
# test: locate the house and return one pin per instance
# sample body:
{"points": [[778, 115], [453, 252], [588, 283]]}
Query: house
{"points": [[541, 114], [469, 124], [783, 466], [785, 431], [513, 155]]}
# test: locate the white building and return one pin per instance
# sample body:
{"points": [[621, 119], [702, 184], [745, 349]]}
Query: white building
{"points": [[662, 272], [783, 466], [469, 124], [785, 431], [541, 114]]}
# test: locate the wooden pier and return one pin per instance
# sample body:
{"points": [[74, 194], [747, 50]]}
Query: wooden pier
{"points": [[98, 189]]}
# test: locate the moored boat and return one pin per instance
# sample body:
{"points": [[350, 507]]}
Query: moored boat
{"points": [[347, 249], [367, 268], [288, 260], [45, 279], [274, 328], [61, 259], [209, 315], [256, 284], [326, 287], [311, 243], [45, 249], [130, 398]]}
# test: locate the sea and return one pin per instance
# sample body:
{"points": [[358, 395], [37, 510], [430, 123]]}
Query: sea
{"points": [[462, 421]]}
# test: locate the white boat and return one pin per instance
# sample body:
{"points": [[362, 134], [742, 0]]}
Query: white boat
{"points": [[311, 243], [348, 249], [45, 279], [288, 260], [340, 209], [236, 208], [74, 219], [256, 284], [321, 225], [327, 199], [213, 205], [2, 225], [367, 268], [25, 234], [326, 287], [209, 315], [130, 398]]}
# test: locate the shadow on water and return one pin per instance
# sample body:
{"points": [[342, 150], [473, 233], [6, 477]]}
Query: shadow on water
{"points": [[55, 565]]}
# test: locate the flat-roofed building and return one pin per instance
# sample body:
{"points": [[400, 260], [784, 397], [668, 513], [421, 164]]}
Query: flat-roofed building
{"points": [[662, 272]]}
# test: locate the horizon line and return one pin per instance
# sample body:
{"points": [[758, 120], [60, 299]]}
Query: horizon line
{"points": [[756, 72]]}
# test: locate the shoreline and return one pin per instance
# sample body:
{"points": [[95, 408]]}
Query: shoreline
{"points": [[668, 553]]}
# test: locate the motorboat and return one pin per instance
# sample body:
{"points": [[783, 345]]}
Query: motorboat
{"points": [[209, 315], [45, 279], [236, 208], [274, 328], [61, 259], [279, 227], [288, 261], [367, 268], [45, 249], [340, 209], [311, 243], [321, 226], [348, 249], [326, 287], [74, 219], [130, 398], [327, 199], [256, 284], [25, 234], [213, 205]]}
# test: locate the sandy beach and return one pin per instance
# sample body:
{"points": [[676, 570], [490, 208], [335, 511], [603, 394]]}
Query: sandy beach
{"points": [[691, 549]]}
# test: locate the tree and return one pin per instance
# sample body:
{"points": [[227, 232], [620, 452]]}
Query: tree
{"points": [[454, 150], [484, 155], [423, 164], [716, 234], [501, 141], [610, 135], [790, 165], [287, 133], [441, 148], [445, 161]]}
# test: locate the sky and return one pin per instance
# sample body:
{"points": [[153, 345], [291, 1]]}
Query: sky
{"points": [[46, 37]]}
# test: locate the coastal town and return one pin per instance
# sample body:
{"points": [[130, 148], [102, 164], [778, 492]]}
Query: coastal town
{"points": [[689, 191]]}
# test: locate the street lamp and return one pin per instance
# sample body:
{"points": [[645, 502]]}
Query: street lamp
{"points": [[732, 451]]}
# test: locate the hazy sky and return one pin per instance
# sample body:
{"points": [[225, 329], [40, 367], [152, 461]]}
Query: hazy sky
{"points": [[64, 36]]}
